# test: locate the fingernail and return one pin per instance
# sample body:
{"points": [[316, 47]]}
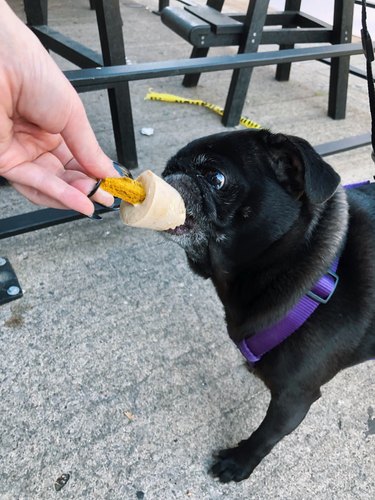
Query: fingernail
{"points": [[94, 216], [123, 171]]}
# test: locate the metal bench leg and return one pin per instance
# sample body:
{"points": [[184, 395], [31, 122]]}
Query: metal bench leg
{"points": [[338, 84], [192, 79], [283, 70], [113, 50], [255, 19], [162, 4], [36, 12]]}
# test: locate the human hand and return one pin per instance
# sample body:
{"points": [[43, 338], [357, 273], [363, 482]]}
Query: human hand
{"points": [[48, 150]]}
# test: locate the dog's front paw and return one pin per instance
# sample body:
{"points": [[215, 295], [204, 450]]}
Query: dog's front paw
{"points": [[233, 464]]}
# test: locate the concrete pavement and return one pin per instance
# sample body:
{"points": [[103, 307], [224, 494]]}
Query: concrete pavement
{"points": [[115, 365]]}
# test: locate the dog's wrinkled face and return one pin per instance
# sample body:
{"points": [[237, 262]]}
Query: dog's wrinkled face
{"points": [[243, 191]]}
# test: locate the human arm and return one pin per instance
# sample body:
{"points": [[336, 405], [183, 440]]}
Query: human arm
{"points": [[48, 150]]}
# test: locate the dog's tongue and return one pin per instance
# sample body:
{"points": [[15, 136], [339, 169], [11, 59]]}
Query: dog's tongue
{"points": [[163, 207]]}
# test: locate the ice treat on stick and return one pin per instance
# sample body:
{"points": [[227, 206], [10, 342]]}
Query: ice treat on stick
{"points": [[148, 201]]}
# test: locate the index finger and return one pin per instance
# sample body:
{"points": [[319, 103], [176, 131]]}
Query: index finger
{"points": [[81, 141]]}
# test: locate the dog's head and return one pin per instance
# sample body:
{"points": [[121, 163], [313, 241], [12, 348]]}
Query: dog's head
{"points": [[243, 192]]}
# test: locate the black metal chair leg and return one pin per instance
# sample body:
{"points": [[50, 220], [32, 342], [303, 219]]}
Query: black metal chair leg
{"points": [[193, 79], [162, 4], [338, 84], [283, 70], [113, 50], [36, 13], [255, 20]]}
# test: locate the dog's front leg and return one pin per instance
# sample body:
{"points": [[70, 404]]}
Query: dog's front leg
{"points": [[285, 412]]}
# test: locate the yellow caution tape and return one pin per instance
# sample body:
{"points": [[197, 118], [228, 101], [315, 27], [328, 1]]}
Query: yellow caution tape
{"points": [[158, 96]]}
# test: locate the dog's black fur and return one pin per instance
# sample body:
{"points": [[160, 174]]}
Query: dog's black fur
{"points": [[266, 218]]}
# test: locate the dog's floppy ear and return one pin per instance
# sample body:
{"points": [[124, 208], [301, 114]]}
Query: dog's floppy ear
{"points": [[300, 169]]}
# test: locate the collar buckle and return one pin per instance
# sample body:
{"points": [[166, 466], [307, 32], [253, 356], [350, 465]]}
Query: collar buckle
{"points": [[320, 299]]}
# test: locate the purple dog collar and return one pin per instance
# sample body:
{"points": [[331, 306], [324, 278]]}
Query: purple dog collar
{"points": [[254, 347]]}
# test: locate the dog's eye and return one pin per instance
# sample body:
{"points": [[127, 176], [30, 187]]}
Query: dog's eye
{"points": [[215, 178]]}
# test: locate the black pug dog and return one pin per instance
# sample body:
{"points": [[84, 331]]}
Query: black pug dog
{"points": [[266, 218]]}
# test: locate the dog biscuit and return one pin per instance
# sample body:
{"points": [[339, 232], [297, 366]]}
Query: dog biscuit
{"points": [[125, 188]]}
